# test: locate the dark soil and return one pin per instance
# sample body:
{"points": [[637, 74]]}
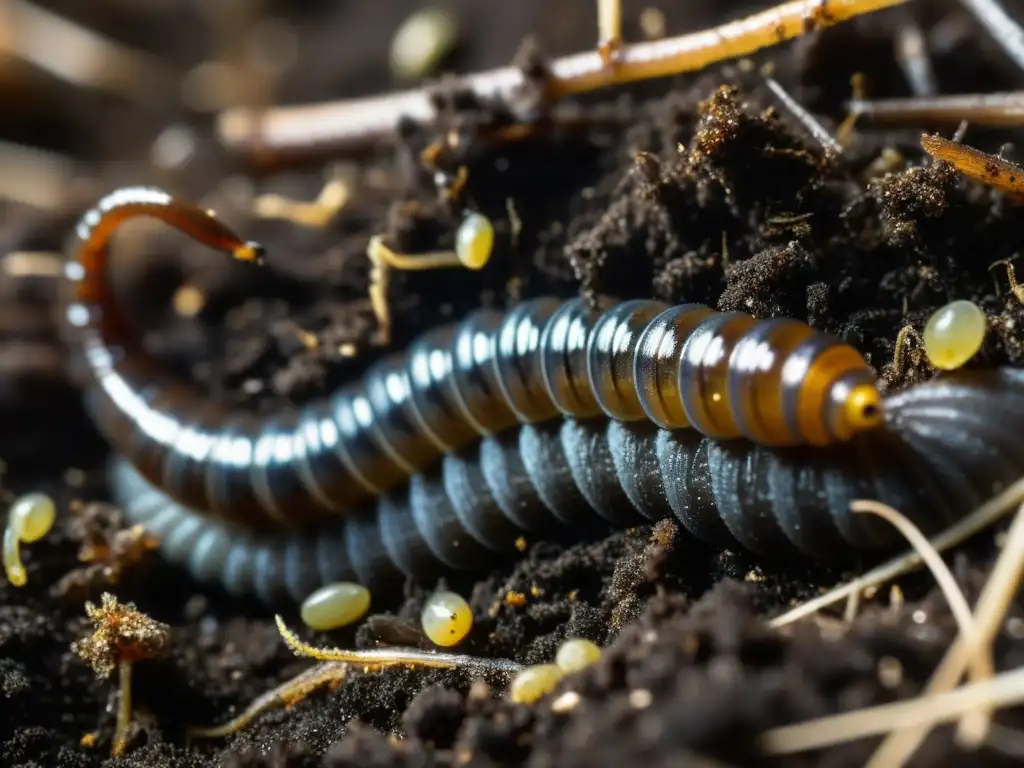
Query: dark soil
{"points": [[733, 203]]}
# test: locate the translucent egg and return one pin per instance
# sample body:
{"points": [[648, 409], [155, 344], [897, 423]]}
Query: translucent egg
{"points": [[576, 654], [474, 241], [335, 605], [954, 334], [534, 682], [423, 40], [446, 618]]}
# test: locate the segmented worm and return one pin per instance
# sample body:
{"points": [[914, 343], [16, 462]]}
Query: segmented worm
{"points": [[946, 447], [775, 382]]}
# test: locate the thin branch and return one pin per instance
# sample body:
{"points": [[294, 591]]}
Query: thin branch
{"points": [[806, 119], [912, 55], [984, 516], [940, 571], [80, 56], [353, 125], [1000, 25], [1003, 690], [40, 178], [609, 28], [325, 674], [992, 109], [380, 658], [993, 603]]}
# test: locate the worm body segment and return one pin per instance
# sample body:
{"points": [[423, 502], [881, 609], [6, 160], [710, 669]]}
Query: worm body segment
{"points": [[946, 447], [722, 375]]}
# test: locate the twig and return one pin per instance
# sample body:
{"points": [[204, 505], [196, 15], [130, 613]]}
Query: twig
{"points": [[995, 171], [981, 663], [38, 178], [912, 55], [32, 264], [352, 125], [609, 29], [1011, 277], [333, 670], [984, 516], [992, 606], [1000, 25], [78, 55], [925, 711], [940, 571], [379, 658], [290, 692], [317, 214], [992, 109], [806, 119]]}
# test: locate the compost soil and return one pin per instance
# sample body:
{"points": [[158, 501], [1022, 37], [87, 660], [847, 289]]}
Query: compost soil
{"points": [[697, 188]]}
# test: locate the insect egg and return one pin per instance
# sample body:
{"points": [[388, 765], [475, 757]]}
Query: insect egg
{"points": [[954, 334], [335, 605], [422, 41], [474, 241], [446, 618], [576, 654], [534, 683]]}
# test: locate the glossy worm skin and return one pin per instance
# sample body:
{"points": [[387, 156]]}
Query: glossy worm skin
{"points": [[946, 447], [723, 375]]}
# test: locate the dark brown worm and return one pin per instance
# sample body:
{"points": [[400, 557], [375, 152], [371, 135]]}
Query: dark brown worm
{"points": [[775, 382], [946, 447]]}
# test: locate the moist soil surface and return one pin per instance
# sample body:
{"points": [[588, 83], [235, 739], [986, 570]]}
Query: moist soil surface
{"points": [[704, 187]]}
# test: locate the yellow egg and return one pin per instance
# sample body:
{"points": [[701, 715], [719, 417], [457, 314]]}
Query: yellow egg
{"points": [[534, 682], [446, 618], [29, 519], [576, 654], [35, 514], [335, 605], [423, 40], [474, 241], [954, 334]]}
